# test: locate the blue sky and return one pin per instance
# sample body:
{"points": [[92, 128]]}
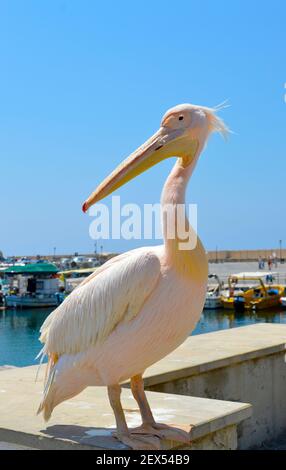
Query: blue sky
{"points": [[83, 83]]}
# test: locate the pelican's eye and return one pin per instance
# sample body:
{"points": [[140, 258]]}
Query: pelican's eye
{"points": [[181, 118]]}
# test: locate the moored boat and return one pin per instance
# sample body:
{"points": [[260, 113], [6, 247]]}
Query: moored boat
{"points": [[31, 301], [255, 291], [214, 292], [32, 286], [73, 277]]}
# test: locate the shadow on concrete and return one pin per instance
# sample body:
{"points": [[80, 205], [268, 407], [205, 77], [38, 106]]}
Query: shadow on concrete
{"points": [[101, 438]]}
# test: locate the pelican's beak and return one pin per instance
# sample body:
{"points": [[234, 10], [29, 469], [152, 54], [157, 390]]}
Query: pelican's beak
{"points": [[160, 146]]}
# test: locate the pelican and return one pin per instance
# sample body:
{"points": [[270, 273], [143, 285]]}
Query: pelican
{"points": [[141, 305]]}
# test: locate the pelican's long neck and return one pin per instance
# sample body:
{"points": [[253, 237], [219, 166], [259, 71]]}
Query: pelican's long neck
{"points": [[189, 259]]}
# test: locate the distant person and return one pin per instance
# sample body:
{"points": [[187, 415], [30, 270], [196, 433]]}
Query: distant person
{"points": [[262, 263], [270, 263], [275, 261]]}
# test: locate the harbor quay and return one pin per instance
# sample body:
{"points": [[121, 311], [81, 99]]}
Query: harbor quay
{"points": [[226, 268], [45, 282]]}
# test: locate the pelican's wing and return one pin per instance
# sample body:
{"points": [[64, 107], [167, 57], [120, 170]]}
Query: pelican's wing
{"points": [[91, 312]]}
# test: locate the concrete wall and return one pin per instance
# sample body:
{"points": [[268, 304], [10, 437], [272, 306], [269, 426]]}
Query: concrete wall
{"points": [[244, 255], [260, 381]]}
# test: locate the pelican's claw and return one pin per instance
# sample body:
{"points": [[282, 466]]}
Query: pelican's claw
{"points": [[163, 431]]}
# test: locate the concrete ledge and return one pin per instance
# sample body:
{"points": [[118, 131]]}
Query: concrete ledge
{"points": [[209, 351], [87, 421], [244, 364]]}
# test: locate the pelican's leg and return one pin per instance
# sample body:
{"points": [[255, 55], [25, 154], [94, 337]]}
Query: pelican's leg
{"points": [[123, 433], [137, 388], [149, 425]]}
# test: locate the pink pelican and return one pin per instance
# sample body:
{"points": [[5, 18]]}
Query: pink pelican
{"points": [[141, 305]]}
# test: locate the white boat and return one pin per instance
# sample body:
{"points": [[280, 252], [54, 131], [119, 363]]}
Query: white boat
{"points": [[214, 292], [32, 285], [32, 301], [283, 301]]}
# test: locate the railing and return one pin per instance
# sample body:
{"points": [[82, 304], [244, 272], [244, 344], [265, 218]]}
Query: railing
{"points": [[278, 278]]}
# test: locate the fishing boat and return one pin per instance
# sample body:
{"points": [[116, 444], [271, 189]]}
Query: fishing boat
{"points": [[254, 291], [32, 286], [214, 292]]}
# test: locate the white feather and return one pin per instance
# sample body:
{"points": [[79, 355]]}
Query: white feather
{"points": [[93, 310]]}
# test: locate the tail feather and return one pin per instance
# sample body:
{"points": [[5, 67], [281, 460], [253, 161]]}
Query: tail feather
{"points": [[41, 356], [46, 405]]}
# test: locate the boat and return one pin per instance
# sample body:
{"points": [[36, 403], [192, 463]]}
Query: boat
{"points": [[283, 301], [32, 301], [73, 277], [32, 286], [214, 293], [254, 291]]}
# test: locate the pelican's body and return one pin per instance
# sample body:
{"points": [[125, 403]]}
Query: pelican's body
{"points": [[172, 308], [139, 306]]}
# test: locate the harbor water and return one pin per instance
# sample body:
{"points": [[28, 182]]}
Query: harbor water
{"points": [[19, 329]]}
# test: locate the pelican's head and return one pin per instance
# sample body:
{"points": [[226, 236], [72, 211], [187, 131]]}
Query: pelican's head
{"points": [[183, 132]]}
